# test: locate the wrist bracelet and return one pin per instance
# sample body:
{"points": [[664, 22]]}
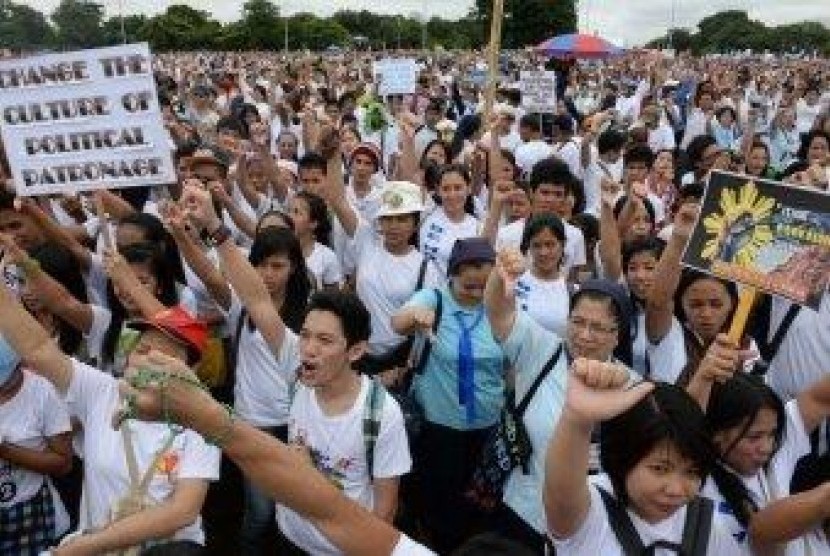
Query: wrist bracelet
{"points": [[29, 266], [223, 437], [219, 236]]}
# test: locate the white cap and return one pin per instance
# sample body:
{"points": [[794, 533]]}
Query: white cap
{"points": [[400, 197]]}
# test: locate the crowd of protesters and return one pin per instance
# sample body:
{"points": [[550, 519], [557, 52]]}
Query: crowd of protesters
{"points": [[314, 340]]}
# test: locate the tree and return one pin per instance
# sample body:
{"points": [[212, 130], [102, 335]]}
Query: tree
{"points": [[679, 39], [133, 28], [79, 24], [527, 22], [182, 27], [22, 27], [261, 25]]}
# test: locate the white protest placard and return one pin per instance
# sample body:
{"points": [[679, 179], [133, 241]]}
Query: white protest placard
{"points": [[85, 120], [396, 76], [538, 91]]}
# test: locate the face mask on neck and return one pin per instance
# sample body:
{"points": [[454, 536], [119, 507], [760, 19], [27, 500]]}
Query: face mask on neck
{"points": [[9, 361]]}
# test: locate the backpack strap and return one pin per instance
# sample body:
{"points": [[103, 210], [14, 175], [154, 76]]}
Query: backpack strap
{"points": [[372, 413], [698, 526], [528, 397], [427, 349], [620, 521]]}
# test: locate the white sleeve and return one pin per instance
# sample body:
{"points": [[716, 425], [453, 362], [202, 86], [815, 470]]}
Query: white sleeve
{"points": [[667, 358], [199, 460], [794, 446], [392, 457], [56, 414], [362, 240], [87, 388], [101, 320], [592, 535], [332, 275]]}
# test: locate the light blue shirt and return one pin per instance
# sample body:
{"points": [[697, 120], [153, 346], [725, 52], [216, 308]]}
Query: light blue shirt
{"points": [[528, 348], [436, 389]]}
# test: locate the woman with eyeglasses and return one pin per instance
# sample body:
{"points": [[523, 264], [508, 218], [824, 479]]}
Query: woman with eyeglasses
{"points": [[597, 328]]}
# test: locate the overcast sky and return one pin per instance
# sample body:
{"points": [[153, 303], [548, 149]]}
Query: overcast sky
{"points": [[627, 22]]}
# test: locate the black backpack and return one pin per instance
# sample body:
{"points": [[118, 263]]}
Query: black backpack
{"points": [[696, 530]]}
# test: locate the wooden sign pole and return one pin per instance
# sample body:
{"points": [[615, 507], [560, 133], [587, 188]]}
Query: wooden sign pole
{"points": [[493, 57], [745, 303]]}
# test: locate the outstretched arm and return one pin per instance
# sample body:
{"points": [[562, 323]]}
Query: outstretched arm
{"points": [[280, 471]]}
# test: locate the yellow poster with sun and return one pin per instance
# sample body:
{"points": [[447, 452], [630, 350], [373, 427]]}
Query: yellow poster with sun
{"points": [[764, 234]]}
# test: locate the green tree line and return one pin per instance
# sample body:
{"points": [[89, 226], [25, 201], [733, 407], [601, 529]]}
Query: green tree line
{"points": [[83, 24], [733, 30]]}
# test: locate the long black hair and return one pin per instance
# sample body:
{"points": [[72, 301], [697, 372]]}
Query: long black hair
{"points": [[282, 242], [668, 413], [62, 267], [167, 293], [318, 214], [737, 403], [157, 235]]}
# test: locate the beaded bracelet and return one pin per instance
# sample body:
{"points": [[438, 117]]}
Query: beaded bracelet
{"points": [[222, 439]]}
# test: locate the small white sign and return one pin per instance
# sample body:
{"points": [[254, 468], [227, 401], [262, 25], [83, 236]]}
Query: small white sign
{"points": [[396, 76], [85, 120], [538, 91]]}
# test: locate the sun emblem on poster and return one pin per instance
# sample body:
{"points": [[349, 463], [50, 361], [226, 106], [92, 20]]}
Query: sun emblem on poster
{"points": [[741, 228]]}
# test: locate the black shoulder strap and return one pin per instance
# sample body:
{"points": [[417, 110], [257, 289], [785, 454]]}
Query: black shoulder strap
{"points": [[522, 407], [425, 351], [781, 333], [422, 273], [618, 518], [698, 526]]}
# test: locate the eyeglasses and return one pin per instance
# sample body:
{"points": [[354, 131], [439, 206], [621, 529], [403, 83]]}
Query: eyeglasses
{"points": [[595, 328]]}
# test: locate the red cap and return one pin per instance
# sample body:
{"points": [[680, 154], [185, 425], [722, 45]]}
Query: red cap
{"points": [[179, 325], [369, 149]]}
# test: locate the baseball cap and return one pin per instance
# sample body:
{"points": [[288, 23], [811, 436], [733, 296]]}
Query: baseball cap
{"points": [[177, 324], [471, 250]]}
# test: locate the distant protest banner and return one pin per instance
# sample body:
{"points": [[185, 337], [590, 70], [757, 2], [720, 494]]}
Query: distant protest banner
{"points": [[78, 121], [397, 77], [766, 235], [538, 91]]}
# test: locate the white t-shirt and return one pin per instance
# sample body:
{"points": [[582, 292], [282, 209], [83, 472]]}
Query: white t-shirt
{"points": [[528, 154], [570, 152], [545, 301], [805, 115], [595, 535], [385, 282], [769, 486], [511, 236], [662, 139], [324, 266], [34, 414], [804, 356], [338, 450], [408, 547], [668, 357], [262, 394], [93, 398], [594, 173], [438, 235]]}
